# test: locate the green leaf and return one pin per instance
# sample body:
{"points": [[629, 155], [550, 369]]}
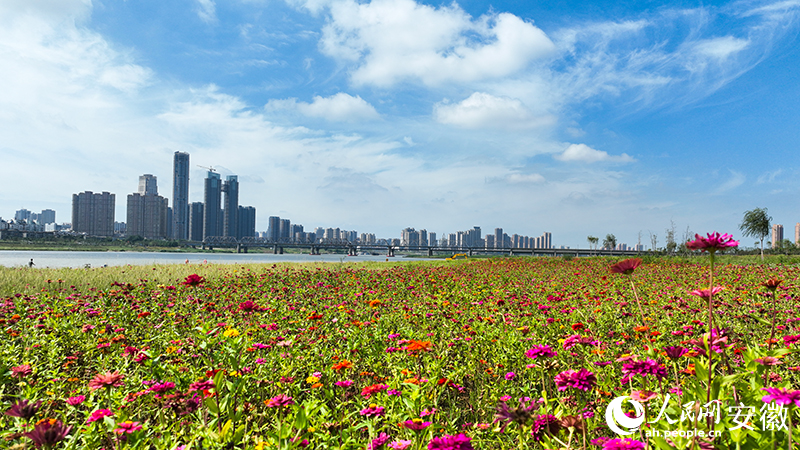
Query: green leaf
{"points": [[211, 404], [225, 430], [300, 419]]}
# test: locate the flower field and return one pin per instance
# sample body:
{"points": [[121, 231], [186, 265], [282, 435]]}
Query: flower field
{"points": [[507, 353]]}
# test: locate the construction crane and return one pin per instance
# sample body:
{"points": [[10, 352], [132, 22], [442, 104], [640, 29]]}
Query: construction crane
{"points": [[210, 169]]}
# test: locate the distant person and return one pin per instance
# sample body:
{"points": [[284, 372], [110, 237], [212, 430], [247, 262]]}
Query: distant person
{"points": [[31, 264]]}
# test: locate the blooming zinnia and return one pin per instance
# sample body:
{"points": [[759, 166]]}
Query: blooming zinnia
{"points": [[106, 380], [538, 351], [782, 396], [581, 379], [626, 267], [415, 424], [446, 442], [23, 409], [279, 401], [623, 444], [48, 433], [712, 242]]}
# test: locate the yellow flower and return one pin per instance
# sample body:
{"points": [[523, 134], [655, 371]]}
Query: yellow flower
{"points": [[312, 380], [231, 332]]}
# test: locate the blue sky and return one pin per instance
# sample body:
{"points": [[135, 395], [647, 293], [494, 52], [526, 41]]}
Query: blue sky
{"points": [[571, 117]]}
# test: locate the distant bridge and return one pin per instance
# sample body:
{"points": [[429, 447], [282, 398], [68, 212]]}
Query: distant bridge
{"points": [[354, 248]]}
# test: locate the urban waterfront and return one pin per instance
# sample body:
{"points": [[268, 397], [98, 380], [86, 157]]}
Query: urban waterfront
{"points": [[57, 259]]}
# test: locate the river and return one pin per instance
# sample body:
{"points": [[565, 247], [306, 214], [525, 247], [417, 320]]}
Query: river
{"points": [[55, 259]]}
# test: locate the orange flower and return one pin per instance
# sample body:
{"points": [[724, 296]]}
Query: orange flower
{"points": [[420, 345], [641, 329], [343, 364], [577, 326]]}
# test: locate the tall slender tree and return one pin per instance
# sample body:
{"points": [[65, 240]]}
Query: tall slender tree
{"points": [[756, 224]]}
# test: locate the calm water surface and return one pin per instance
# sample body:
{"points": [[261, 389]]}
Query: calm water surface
{"points": [[13, 258]]}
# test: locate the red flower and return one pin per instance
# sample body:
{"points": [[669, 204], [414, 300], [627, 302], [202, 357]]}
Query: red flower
{"points": [[626, 267], [577, 326], [771, 284], [193, 280], [248, 306]]}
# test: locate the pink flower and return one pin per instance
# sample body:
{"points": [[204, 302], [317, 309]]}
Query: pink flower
{"points": [[127, 427], [510, 376], [540, 351], [373, 410], [415, 424], [106, 380], [75, 401], [400, 445], [623, 444], [712, 243], [99, 414], [193, 280], [21, 371], [705, 293], [626, 267], [345, 383]]}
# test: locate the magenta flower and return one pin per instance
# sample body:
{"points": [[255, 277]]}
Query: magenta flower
{"points": [[99, 414], [415, 424], [193, 280], [345, 383], [581, 379], [675, 352], [712, 243], [446, 442], [782, 396], [379, 441], [160, 388], [248, 306], [623, 444], [540, 351], [373, 410], [280, 401], [644, 368], [510, 376]]}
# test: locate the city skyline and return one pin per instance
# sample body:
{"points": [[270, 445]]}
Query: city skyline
{"points": [[585, 118]]}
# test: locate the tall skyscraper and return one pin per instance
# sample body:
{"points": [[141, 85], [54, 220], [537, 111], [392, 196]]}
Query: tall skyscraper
{"points": [[212, 197], [148, 212], [274, 228], [196, 221], [93, 214], [230, 187], [47, 216], [247, 222], [777, 235], [180, 196], [285, 230], [498, 238]]}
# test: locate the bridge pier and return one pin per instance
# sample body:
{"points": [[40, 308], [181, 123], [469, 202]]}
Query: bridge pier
{"points": [[470, 252], [274, 249], [430, 251], [390, 251], [280, 250], [314, 250]]}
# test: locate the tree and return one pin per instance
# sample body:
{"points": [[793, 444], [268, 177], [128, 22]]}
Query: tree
{"points": [[756, 224], [671, 245], [592, 242], [653, 241], [610, 242]]}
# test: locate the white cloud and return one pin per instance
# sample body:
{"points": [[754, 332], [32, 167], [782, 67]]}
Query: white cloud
{"points": [[389, 41], [584, 153], [525, 178], [207, 11], [340, 107], [722, 47], [736, 179], [482, 110]]}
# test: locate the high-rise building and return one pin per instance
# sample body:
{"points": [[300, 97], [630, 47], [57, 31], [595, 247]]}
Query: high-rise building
{"points": [[432, 239], [797, 234], [247, 222], [180, 196], [22, 214], [196, 221], [285, 230], [47, 216], [148, 213], [212, 210], [148, 185], [777, 235], [274, 229], [93, 214], [498, 238], [230, 187]]}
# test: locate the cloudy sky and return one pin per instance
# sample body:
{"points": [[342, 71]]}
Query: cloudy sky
{"points": [[565, 116]]}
